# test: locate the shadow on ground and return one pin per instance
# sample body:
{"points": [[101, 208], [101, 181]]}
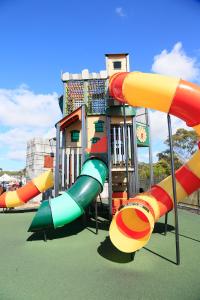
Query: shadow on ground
{"points": [[18, 211], [160, 228], [109, 252], [73, 228], [62, 232]]}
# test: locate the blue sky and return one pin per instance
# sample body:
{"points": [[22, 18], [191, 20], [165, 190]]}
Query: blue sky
{"points": [[41, 38]]}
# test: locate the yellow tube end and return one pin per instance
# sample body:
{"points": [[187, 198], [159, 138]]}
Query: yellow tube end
{"points": [[131, 228]]}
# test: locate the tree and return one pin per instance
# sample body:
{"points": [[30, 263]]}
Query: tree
{"points": [[184, 143]]}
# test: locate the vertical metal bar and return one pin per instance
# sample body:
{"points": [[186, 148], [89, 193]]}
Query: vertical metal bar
{"points": [[83, 133], [96, 216], [109, 167], [135, 156], [150, 147], [115, 144], [174, 190], [119, 144], [166, 218], [45, 236], [63, 158], [126, 150], [73, 169], [56, 180], [67, 172], [198, 201], [129, 141], [77, 162]]}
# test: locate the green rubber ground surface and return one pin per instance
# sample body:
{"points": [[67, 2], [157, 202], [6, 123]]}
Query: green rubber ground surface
{"points": [[78, 264]]}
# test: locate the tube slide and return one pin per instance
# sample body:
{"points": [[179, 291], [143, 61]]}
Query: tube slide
{"points": [[133, 224], [69, 206], [25, 193]]}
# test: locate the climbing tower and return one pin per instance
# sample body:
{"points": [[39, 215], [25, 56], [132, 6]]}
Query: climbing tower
{"points": [[95, 124]]}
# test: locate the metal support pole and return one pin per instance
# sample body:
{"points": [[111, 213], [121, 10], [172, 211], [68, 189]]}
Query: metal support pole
{"points": [[57, 160], [63, 158], [198, 199], [126, 151], [83, 133], [45, 236], [150, 148], [109, 167], [174, 190], [135, 156], [96, 216], [166, 218]]}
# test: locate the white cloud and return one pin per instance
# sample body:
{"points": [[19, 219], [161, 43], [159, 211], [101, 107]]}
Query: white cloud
{"points": [[159, 130], [17, 155], [120, 12], [24, 115], [22, 107], [177, 63], [159, 127]]}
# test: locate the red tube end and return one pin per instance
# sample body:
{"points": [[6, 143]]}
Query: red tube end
{"points": [[115, 86]]}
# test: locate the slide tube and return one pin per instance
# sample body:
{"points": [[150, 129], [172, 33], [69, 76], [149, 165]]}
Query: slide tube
{"points": [[71, 204], [32, 189], [133, 224]]}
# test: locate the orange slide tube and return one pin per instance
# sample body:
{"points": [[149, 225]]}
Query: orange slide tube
{"points": [[28, 191], [133, 224]]}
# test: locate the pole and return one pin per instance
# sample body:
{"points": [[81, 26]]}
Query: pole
{"points": [[109, 167], [83, 133], [126, 150], [174, 190], [150, 148], [57, 160], [63, 158], [135, 156]]}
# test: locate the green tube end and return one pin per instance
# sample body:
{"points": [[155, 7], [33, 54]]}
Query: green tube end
{"points": [[43, 218]]}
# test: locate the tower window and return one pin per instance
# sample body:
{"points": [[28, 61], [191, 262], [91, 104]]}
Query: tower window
{"points": [[75, 135], [99, 126], [117, 65]]}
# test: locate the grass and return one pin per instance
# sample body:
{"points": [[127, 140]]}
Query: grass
{"points": [[77, 264]]}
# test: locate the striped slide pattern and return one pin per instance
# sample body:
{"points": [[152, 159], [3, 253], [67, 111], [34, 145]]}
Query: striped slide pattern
{"points": [[30, 190], [70, 205], [133, 224]]}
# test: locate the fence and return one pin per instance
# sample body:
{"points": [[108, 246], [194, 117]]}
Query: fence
{"points": [[73, 158], [118, 152]]}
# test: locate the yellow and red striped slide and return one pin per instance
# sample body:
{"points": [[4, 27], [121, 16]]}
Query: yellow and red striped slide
{"points": [[28, 191], [133, 224]]}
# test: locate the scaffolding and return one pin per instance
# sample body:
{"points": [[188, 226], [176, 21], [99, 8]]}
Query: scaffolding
{"points": [[96, 96], [75, 91], [85, 88]]}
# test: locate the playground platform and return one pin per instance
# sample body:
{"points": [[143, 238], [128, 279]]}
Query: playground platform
{"points": [[75, 263]]}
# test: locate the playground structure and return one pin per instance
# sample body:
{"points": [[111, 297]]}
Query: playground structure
{"points": [[69, 206], [25, 193], [133, 224], [93, 124], [97, 141]]}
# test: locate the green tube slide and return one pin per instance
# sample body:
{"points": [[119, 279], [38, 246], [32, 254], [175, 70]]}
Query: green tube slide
{"points": [[69, 206]]}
